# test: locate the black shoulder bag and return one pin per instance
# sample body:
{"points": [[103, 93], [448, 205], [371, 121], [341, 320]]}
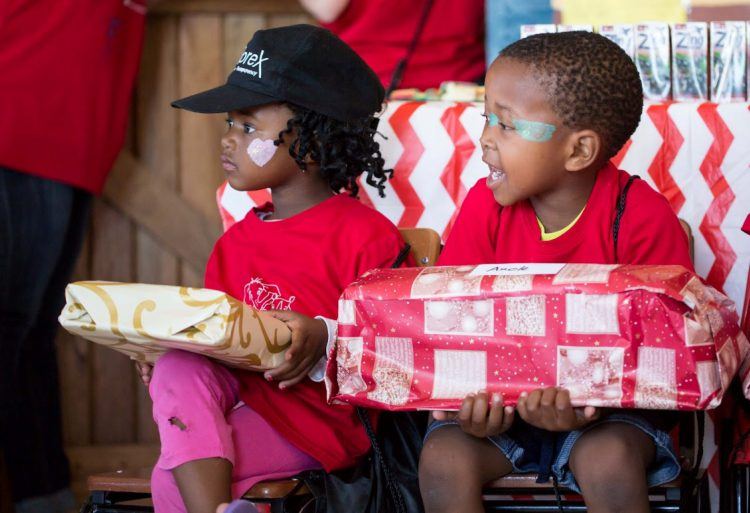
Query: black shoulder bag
{"points": [[384, 481]]}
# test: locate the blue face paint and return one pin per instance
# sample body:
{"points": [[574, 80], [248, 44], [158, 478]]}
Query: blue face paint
{"points": [[534, 131]]}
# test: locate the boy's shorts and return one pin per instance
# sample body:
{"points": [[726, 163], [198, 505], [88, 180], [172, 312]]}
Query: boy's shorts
{"points": [[530, 449]]}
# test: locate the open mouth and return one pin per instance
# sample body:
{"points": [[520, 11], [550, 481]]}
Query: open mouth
{"points": [[495, 177]]}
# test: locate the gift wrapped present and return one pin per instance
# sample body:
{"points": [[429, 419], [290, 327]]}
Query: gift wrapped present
{"points": [[144, 321], [651, 337]]}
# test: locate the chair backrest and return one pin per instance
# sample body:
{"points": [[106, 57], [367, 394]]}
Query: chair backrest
{"points": [[425, 244], [691, 241]]}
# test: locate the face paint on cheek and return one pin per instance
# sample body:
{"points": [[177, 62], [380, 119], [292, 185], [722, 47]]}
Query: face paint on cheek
{"points": [[261, 151], [534, 131]]}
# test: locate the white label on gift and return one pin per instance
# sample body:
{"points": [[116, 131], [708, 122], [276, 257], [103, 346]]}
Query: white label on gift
{"points": [[460, 318], [394, 368], [589, 314], [515, 269], [584, 273], [656, 379], [458, 373], [525, 316]]}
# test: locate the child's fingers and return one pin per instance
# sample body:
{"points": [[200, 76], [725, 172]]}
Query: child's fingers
{"points": [[495, 418], [297, 374], [508, 416], [444, 415], [521, 405], [464, 413], [548, 397], [479, 411]]}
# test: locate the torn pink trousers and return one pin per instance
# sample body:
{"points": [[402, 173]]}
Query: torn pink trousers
{"points": [[197, 413]]}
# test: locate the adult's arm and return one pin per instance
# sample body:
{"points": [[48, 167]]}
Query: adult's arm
{"points": [[325, 11]]}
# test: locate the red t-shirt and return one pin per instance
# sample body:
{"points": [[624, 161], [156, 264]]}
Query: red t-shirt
{"points": [[650, 233], [67, 69], [451, 46], [303, 263]]}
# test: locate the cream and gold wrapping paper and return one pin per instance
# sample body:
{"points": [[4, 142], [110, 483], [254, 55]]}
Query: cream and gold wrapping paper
{"points": [[144, 321]]}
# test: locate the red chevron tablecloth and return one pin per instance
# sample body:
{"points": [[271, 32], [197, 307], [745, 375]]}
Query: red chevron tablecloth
{"points": [[696, 154]]}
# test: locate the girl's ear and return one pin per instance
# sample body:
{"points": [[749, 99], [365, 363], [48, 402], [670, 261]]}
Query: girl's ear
{"points": [[584, 150]]}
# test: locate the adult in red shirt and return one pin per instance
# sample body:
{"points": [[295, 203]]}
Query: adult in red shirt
{"points": [[68, 68], [450, 47]]}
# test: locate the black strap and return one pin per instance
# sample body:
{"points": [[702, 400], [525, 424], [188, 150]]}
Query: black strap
{"points": [[398, 72], [390, 481], [621, 199], [401, 256]]}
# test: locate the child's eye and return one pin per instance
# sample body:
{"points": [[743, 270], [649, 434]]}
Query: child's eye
{"points": [[248, 128], [229, 122], [493, 120]]}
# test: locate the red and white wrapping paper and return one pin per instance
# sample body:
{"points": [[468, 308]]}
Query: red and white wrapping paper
{"points": [[653, 337]]}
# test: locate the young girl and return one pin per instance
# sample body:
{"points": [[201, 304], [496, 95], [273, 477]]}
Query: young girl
{"points": [[558, 107], [300, 121]]}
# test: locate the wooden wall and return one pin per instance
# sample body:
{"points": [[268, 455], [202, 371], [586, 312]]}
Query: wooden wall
{"points": [[158, 218]]}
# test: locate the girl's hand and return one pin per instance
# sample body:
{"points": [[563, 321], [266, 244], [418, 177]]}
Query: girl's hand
{"points": [[144, 371], [309, 338], [550, 409], [478, 417]]}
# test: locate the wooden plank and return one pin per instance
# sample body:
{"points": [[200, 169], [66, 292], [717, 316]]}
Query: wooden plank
{"points": [[282, 20], [156, 146], [201, 68], [73, 358], [238, 29], [96, 459], [226, 6], [113, 384], [142, 195]]}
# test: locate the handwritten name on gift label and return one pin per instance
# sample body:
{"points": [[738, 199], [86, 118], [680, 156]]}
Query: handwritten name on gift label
{"points": [[515, 269]]}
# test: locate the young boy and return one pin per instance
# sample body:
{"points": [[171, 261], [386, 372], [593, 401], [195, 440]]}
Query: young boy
{"points": [[558, 107]]}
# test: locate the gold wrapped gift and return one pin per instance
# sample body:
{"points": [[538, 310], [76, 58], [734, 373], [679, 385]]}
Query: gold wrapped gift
{"points": [[144, 321]]}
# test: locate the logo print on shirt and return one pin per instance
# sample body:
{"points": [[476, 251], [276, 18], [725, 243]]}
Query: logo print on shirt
{"points": [[266, 296], [251, 63]]}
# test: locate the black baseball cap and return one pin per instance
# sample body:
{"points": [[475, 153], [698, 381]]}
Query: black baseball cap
{"points": [[301, 64]]}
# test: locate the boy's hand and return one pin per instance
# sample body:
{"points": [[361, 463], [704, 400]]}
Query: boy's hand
{"points": [[144, 371], [309, 337], [550, 409], [478, 418]]}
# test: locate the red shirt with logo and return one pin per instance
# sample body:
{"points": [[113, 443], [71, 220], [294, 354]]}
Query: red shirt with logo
{"points": [[451, 46], [303, 263], [650, 233], [67, 69]]}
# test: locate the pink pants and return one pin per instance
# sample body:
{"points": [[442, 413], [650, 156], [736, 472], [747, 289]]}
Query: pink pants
{"points": [[195, 409]]}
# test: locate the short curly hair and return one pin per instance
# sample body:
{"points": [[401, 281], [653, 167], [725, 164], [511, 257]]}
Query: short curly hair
{"points": [[343, 150], [590, 82]]}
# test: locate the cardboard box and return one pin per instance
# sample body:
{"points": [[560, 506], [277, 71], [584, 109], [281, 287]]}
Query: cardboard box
{"points": [[728, 61], [144, 321], [623, 35], [572, 28], [690, 61], [652, 60], [530, 30], [615, 336]]}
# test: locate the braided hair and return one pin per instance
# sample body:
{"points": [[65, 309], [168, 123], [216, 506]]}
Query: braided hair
{"points": [[343, 150]]}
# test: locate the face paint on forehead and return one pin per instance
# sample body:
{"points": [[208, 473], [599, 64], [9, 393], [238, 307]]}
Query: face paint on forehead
{"points": [[534, 131], [261, 151]]}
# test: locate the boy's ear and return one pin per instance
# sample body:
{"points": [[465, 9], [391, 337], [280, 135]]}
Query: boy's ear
{"points": [[584, 150]]}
